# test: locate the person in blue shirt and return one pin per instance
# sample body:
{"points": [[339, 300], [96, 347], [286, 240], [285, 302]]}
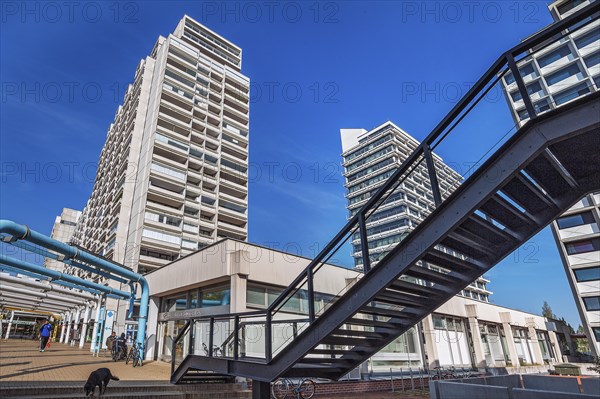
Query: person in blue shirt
{"points": [[45, 331]]}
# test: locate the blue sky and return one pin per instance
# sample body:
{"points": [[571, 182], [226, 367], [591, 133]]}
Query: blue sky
{"points": [[315, 67]]}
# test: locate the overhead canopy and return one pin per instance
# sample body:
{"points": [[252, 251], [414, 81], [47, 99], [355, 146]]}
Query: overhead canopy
{"points": [[30, 294]]}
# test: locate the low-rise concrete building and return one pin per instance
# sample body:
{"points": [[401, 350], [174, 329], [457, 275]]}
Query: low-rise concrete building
{"points": [[234, 276]]}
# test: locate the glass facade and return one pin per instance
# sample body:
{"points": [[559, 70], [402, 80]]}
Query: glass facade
{"points": [[197, 298]]}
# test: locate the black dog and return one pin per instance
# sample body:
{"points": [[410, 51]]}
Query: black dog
{"points": [[99, 378]]}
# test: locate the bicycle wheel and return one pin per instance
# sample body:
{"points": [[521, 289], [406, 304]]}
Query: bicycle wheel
{"points": [[279, 389], [307, 389], [129, 356], [136, 359]]}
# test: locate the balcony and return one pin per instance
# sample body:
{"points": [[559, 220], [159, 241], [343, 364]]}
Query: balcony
{"points": [[167, 154], [162, 226], [152, 203], [235, 116], [234, 194], [239, 114], [233, 182], [151, 261]]}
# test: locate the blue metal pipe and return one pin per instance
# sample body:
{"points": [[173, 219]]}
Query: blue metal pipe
{"points": [[92, 270], [51, 255], [30, 267], [23, 232], [9, 269]]}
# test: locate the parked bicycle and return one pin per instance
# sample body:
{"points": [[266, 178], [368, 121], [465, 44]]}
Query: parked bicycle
{"points": [[444, 374], [305, 388], [118, 353], [135, 355]]}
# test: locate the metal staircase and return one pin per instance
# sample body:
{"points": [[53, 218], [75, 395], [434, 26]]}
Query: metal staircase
{"points": [[548, 164]]}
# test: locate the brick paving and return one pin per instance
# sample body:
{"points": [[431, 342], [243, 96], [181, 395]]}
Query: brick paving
{"points": [[378, 395], [21, 363], [20, 360]]}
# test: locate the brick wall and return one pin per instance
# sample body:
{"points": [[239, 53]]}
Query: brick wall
{"points": [[343, 387]]}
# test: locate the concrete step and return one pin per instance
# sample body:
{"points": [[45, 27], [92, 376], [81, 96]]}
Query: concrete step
{"points": [[147, 395], [128, 389]]}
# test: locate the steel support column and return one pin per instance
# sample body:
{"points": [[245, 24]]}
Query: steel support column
{"points": [[65, 330], [84, 327], [74, 326], [96, 323], [12, 317], [261, 390]]}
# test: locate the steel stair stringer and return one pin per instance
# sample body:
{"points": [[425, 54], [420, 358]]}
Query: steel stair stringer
{"points": [[567, 125]]}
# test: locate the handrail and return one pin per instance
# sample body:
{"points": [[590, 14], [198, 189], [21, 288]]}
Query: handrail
{"points": [[506, 63], [175, 342]]}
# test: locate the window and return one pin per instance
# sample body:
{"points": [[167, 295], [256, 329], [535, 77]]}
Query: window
{"points": [[531, 89], [368, 148], [387, 213], [575, 220], [534, 88], [587, 274], [596, 333], [580, 247], [447, 323], [523, 71], [368, 159], [216, 296], [157, 235], [571, 93], [256, 296], [208, 200], [196, 153], [526, 70], [190, 228], [171, 142], [592, 303], [156, 254], [556, 55], [569, 5], [588, 38], [389, 226], [509, 79], [592, 60], [156, 217], [175, 303], [233, 165], [231, 206], [563, 74], [189, 244], [168, 171], [438, 323]]}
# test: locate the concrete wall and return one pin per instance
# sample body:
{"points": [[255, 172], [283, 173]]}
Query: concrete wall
{"points": [[549, 383], [509, 387], [591, 386], [455, 390], [539, 394]]}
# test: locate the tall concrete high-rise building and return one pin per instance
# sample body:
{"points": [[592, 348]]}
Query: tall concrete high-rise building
{"points": [[63, 230], [369, 159], [172, 175], [562, 72]]}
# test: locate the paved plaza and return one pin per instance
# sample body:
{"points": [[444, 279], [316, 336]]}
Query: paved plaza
{"points": [[21, 364], [21, 360]]}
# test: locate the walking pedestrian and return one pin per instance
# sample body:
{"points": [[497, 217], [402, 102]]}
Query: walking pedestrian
{"points": [[45, 331]]}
